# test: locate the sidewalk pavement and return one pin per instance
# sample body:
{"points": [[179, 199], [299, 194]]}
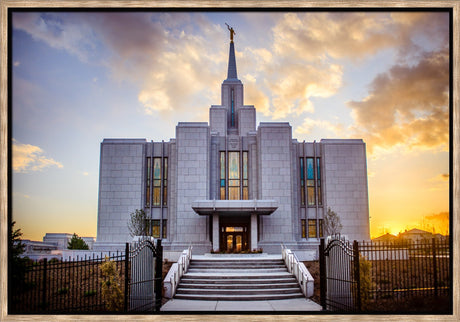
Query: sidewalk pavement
{"points": [[299, 304]]}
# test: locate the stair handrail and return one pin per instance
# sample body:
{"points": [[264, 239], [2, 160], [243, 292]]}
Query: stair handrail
{"points": [[183, 264], [298, 269]]}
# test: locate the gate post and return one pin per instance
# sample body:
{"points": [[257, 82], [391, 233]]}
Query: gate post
{"points": [[158, 275], [322, 274], [435, 271], [45, 282], [357, 275], [126, 277]]}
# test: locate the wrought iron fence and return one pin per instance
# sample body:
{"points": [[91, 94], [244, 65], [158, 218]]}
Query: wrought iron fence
{"points": [[59, 286], [402, 275], [77, 286]]}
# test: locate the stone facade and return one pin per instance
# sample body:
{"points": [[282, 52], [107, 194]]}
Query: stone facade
{"points": [[231, 186]]}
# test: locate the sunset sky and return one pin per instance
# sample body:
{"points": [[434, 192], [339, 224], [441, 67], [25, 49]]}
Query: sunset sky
{"points": [[80, 77]]}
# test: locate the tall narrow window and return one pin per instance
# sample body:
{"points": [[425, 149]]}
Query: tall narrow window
{"points": [[302, 182], [233, 175], [310, 182], [318, 180], [233, 108], [165, 181], [222, 176], [147, 183], [321, 228], [245, 176], [311, 228], [156, 227], [304, 230], [156, 181]]}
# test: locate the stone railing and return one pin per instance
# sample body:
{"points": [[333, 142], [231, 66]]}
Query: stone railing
{"points": [[176, 272], [299, 270]]}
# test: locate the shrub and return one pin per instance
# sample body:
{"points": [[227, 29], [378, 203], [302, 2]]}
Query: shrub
{"points": [[111, 287]]}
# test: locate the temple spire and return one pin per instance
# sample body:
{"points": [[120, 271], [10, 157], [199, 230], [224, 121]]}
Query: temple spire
{"points": [[231, 74]]}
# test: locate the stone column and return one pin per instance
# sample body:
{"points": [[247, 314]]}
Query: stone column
{"points": [[215, 232], [253, 231]]}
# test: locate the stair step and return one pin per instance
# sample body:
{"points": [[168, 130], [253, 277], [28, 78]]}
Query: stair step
{"points": [[238, 297], [235, 280], [204, 266], [232, 276], [221, 286], [238, 281], [236, 271], [205, 291]]}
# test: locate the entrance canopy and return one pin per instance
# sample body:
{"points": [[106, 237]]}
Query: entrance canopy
{"points": [[234, 207]]}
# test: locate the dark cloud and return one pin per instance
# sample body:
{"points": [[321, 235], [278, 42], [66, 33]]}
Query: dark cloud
{"points": [[407, 105]]}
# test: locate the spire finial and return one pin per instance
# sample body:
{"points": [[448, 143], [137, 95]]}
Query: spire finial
{"points": [[232, 32]]}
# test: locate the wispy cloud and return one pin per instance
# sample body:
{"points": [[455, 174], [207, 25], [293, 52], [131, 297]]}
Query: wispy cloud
{"points": [[29, 158]]}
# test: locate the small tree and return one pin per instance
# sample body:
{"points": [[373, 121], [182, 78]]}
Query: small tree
{"points": [[77, 243], [16, 262], [137, 223], [332, 225]]}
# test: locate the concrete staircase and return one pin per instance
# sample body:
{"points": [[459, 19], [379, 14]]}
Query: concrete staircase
{"points": [[237, 279]]}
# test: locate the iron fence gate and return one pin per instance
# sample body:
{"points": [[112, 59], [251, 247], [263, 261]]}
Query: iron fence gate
{"points": [[339, 275], [144, 284]]}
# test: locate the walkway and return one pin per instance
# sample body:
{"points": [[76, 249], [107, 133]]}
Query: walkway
{"points": [[299, 305]]}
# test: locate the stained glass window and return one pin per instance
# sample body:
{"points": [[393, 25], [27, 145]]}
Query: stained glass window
{"points": [[302, 182], [245, 176], [222, 175], [165, 182], [156, 228], [156, 181], [318, 180], [311, 228], [310, 182], [321, 228], [147, 183], [302, 223], [233, 175]]}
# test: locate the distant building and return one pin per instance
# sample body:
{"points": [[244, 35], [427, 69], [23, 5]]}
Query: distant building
{"points": [[416, 235], [54, 245], [385, 238], [61, 240], [228, 185]]}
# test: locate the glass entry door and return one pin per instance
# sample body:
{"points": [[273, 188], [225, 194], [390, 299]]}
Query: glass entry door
{"points": [[234, 237]]}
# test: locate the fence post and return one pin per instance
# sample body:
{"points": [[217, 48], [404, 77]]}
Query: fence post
{"points": [[126, 277], [45, 282], [357, 277], [322, 274], [435, 273], [158, 287]]}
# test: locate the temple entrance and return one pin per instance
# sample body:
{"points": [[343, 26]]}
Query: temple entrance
{"points": [[234, 234]]}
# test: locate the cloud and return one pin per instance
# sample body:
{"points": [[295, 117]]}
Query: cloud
{"points": [[314, 36], [17, 63], [408, 105], [175, 57], [27, 158], [443, 177], [159, 52]]}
